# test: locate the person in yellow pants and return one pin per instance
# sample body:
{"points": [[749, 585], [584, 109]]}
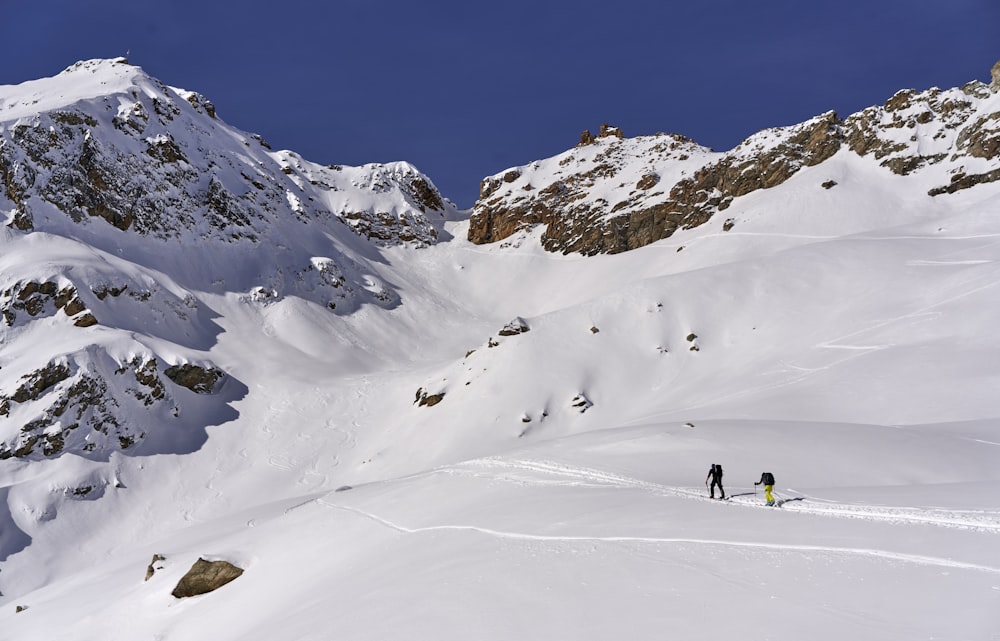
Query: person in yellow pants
{"points": [[767, 480]]}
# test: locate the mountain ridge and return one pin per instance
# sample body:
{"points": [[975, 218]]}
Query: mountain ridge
{"points": [[610, 207]]}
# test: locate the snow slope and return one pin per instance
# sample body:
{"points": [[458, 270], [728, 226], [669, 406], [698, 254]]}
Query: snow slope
{"points": [[842, 339]]}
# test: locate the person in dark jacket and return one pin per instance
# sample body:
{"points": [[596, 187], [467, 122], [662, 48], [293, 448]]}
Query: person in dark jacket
{"points": [[715, 475], [768, 480]]}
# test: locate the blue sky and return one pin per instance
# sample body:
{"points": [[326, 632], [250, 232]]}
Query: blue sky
{"points": [[465, 89]]}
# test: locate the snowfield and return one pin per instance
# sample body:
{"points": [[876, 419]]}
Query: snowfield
{"points": [[843, 339]]}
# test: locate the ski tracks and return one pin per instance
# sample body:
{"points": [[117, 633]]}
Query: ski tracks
{"points": [[547, 472], [528, 471], [556, 538]]}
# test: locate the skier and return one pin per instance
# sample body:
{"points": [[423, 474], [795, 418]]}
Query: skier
{"points": [[768, 480], [715, 474]]}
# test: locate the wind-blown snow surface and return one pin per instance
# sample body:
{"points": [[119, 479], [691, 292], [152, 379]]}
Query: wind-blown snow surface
{"points": [[843, 339]]}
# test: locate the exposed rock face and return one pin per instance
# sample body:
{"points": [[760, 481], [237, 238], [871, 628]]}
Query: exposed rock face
{"points": [[663, 197], [84, 407], [199, 380], [206, 576], [41, 299], [610, 194], [995, 75]]}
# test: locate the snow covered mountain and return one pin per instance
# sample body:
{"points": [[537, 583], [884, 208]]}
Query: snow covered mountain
{"points": [[612, 194], [396, 426], [135, 199]]}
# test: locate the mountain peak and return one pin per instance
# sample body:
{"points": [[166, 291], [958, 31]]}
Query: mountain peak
{"points": [[85, 80], [97, 65]]}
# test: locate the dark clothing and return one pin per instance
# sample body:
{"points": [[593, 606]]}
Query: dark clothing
{"points": [[715, 475], [766, 479]]}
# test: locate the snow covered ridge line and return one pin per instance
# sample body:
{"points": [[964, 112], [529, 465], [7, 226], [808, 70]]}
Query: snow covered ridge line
{"points": [[103, 140], [612, 194]]}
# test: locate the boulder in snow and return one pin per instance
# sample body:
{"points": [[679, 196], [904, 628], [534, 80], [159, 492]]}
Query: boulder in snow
{"points": [[206, 576]]}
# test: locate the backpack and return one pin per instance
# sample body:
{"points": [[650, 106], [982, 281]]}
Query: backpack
{"points": [[718, 472], [768, 478]]}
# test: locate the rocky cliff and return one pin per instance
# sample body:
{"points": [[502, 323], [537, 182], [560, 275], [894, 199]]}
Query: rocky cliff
{"points": [[611, 194]]}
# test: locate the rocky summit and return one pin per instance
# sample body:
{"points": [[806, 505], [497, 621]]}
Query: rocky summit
{"points": [[611, 194]]}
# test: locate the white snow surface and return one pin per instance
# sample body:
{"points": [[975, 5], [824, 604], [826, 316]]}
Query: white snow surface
{"points": [[843, 339]]}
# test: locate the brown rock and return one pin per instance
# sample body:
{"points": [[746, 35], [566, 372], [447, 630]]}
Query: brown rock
{"points": [[197, 379], [151, 569], [206, 576]]}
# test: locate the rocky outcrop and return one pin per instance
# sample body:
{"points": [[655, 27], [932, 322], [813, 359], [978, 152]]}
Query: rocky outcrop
{"points": [[37, 299], [587, 138], [200, 380], [515, 327], [646, 210], [79, 406], [610, 194], [425, 399], [206, 576]]}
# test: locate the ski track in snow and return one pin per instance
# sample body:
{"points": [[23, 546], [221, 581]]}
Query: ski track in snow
{"points": [[496, 468], [523, 536], [980, 520]]}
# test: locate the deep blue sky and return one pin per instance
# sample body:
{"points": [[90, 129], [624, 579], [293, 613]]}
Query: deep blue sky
{"points": [[464, 89]]}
